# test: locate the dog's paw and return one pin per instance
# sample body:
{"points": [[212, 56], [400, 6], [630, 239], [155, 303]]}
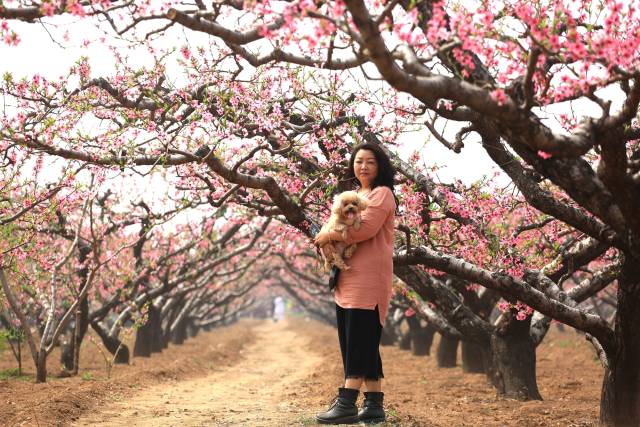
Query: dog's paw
{"points": [[343, 267]]}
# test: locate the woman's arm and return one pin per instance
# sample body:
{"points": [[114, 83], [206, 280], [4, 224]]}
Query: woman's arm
{"points": [[381, 204]]}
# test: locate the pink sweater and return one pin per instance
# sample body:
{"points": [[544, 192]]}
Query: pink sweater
{"points": [[368, 282]]}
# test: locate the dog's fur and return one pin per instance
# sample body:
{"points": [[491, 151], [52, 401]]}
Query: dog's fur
{"points": [[346, 212]]}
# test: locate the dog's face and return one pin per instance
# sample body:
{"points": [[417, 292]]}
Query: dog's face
{"points": [[348, 204]]}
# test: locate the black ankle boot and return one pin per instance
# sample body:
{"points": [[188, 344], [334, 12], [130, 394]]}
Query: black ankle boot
{"points": [[372, 411], [343, 410]]}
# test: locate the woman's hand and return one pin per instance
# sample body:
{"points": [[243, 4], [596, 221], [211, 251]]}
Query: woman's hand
{"points": [[322, 238]]}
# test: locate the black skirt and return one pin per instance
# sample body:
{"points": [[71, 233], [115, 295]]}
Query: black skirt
{"points": [[359, 332]]}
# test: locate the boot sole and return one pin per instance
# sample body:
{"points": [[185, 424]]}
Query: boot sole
{"points": [[373, 421], [344, 420]]}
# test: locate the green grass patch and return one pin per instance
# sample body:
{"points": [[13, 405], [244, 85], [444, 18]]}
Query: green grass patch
{"points": [[12, 373], [308, 422], [392, 420], [9, 334]]}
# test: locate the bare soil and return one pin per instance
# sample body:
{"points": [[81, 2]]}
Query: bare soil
{"points": [[260, 373]]}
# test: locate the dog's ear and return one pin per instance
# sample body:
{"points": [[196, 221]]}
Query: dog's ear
{"points": [[362, 203], [337, 204]]}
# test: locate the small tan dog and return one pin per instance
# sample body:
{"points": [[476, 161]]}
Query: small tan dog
{"points": [[346, 212]]}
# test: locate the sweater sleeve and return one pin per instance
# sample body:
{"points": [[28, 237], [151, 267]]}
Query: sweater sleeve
{"points": [[381, 204]]}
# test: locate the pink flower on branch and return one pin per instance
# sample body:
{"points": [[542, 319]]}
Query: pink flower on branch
{"points": [[48, 8], [499, 96], [544, 154], [8, 36], [75, 8]]}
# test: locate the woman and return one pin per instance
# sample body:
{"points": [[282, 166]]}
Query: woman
{"points": [[363, 292]]}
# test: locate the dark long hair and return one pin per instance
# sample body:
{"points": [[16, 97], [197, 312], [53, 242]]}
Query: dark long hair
{"points": [[386, 171]]}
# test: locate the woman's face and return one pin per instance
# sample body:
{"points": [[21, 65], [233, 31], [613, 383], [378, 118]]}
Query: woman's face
{"points": [[365, 167]]}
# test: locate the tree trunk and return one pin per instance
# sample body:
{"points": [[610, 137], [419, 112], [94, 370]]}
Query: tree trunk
{"points": [[71, 360], [168, 321], [41, 366], [149, 337], [76, 345], [113, 345], [514, 359], [388, 336], [179, 335], [19, 356], [192, 329], [421, 337], [620, 403], [166, 334], [422, 341], [67, 351], [474, 358], [70, 356], [447, 354], [405, 341]]}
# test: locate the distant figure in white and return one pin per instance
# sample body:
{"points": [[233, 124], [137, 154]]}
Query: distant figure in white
{"points": [[278, 308]]}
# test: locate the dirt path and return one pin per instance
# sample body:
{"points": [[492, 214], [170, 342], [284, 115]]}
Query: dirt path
{"points": [[253, 392], [256, 373]]}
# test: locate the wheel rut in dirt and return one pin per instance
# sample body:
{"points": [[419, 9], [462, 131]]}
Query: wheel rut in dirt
{"points": [[253, 391]]}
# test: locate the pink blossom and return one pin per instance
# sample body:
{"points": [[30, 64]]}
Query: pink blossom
{"points": [[48, 9], [499, 96], [75, 8], [186, 52]]}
